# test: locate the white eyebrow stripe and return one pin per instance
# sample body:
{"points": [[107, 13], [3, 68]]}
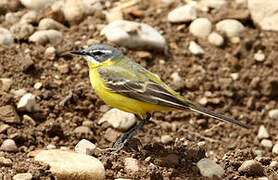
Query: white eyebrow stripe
{"points": [[103, 50]]}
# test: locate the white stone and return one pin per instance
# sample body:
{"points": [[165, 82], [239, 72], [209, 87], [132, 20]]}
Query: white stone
{"points": [[251, 167], [275, 149], [48, 23], [134, 35], [262, 133], [9, 145], [267, 143], [70, 165], [18, 93], [22, 30], [131, 164], [209, 168], [6, 37], [234, 76], [216, 4], [37, 85], [23, 176], [273, 114], [85, 147], [264, 13], [184, 13], [11, 18], [36, 4], [176, 78], [215, 39], [165, 139], [203, 101], [28, 103], [50, 53], [5, 83], [259, 56], [74, 11], [118, 119], [230, 27], [273, 164], [194, 48], [44, 36], [30, 17], [200, 27]]}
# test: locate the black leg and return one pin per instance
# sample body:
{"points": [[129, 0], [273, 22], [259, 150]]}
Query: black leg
{"points": [[122, 141]]}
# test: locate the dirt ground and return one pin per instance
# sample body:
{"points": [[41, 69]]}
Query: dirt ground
{"points": [[247, 99]]}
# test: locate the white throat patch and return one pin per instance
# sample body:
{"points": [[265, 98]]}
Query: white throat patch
{"points": [[91, 59]]}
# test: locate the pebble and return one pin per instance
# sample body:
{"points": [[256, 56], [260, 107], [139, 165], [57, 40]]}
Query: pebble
{"points": [[9, 145], [18, 93], [28, 121], [275, 149], [184, 13], [172, 158], [216, 4], [22, 30], [203, 101], [70, 165], [259, 152], [131, 164], [48, 23], [259, 56], [5, 83], [209, 168], [5, 162], [262, 133], [83, 130], [215, 39], [194, 48], [64, 68], [8, 114], [4, 128], [273, 114], [36, 4], [45, 36], [50, 53], [85, 147], [120, 120], [230, 27], [11, 18], [200, 27], [74, 11], [134, 35], [234, 76], [251, 168], [274, 164], [263, 178], [28, 103], [267, 143], [31, 17], [6, 37], [166, 139], [23, 176], [176, 78], [37, 85], [51, 146], [264, 14], [88, 123]]}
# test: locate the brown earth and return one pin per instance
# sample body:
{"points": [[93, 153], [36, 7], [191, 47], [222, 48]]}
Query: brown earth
{"points": [[247, 99]]}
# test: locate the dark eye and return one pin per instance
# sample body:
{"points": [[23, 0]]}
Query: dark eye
{"points": [[97, 53]]}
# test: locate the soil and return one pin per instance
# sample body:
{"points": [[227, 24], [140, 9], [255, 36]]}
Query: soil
{"points": [[247, 99]]}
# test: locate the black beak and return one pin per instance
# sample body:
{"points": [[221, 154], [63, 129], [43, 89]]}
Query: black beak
{"points": [[79, 52]]}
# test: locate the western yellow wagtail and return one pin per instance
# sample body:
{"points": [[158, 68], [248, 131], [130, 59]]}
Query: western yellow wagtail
{"points": [[128, 86]]}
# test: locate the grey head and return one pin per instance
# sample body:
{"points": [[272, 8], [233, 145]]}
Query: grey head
{"points": [[98, 53]]}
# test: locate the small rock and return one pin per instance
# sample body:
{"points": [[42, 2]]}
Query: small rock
{"points": [[258, 152], [4, 128], [23, 176], [176, 78], [64, 68], [36, 4], [118, 119], [48, 23], [31, 17], [5, 83], [185, 13], [235, 40], [50, 53], [234, 76], [114, 14], [273, 114], [74, 11], [131, 164], [275, 149], [259, 56], [85, 147], [274, 164], [134, 35], [28, 103], [270, 86], [172, 159], [28, 121], [88, 123], [194, 48], [267, 143], [262, 133], [83, 130], [5, 162], [215, 39], [26, 63], [111, 135], [209, 168], [8, 114], [216, 4], [203, 101], [22, 31], [144, 54], [51, 146], [230, 27], [18, 93], [11, 18], [45, 36], [9, 145], [200, 27], [6, 37], [251, 168], [165, 139], [263, 178], [70, 165]]}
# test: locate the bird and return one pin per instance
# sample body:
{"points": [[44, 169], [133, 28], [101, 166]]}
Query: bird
{"points": [[126, 85]]}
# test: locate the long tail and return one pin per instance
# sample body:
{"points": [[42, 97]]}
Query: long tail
{"points": [[213, 114]]}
